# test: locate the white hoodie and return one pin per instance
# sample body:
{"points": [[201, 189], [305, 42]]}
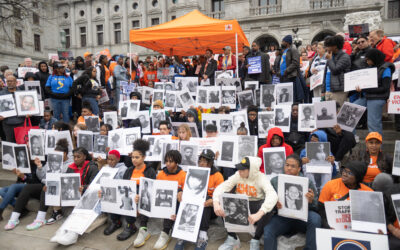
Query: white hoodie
{"points": [[257, 186]]}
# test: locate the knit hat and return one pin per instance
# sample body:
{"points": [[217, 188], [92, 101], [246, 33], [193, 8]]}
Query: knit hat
{"points": [[208, 154], [158, 103], [115, 152], [358, 168], [375, 56], [288, 39], [190, 112], [374, 135]]}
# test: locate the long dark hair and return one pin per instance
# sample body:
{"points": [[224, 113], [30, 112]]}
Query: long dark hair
{"points": [[89, 71]]}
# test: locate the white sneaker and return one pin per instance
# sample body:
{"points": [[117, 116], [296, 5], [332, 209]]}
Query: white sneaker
{"points": [[58, 234], [254, 244], [230, 243], [68, 238], [141, 238], [162, 241]]}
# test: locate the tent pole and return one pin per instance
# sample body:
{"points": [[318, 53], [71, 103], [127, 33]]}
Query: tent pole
{"points": [[130, 60], [237, 57]]}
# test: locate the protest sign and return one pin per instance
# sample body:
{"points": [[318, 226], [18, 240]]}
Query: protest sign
{"points": [[338, 214], [363, 78], [236, 209], [53, 56], [23, 70], [394, 103], [255, 65], [395, 75], [66, 54], [316, 79], [358, 29]]}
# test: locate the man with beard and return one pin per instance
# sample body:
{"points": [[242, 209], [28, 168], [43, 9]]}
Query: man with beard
{"points": [[265, 76]]}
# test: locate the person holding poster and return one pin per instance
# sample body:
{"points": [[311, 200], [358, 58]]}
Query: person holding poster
{"points": [[249, 181], [352, 174], [375, 98], [139, 169], [207, 71], [279, 225], [260, 71], [318, 65]]}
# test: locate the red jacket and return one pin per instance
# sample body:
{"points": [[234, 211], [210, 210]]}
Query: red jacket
{"points": [[271, 133], [386, 46], [231, 67], [347, 48]]}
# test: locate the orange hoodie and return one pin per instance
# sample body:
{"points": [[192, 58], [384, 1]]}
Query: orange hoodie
{"points": [[386, 45]]}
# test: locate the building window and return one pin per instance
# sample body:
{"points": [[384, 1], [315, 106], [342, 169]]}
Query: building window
{"points": [[135, 6], [67, 39], [217, 5], [18, 38], [117, 33], [82, 13], [155, 21], [116, 8], [173, 17], [154, 3], [98, 10], [65, 15], [394, 9], [99, 31], [135, 24], [82, 31], [36, 40], [35, 4], [36, 18], [174, 1]]}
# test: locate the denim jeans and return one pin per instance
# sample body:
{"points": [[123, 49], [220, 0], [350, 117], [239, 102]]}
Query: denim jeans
{"points": [[61, 106], [10, 194], [374, 108], [93, 103], [279, 225]]}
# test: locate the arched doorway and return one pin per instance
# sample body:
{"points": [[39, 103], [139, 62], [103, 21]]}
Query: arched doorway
{"points": [[322, 35], [266, 41]]}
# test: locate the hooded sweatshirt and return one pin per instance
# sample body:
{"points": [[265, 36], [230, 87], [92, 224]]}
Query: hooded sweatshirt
{"points": [[271, 133], [42, 77], [194, 113], [257, 186], [121, 170]]}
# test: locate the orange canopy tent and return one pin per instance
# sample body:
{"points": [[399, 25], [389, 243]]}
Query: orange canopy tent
{"points": [[191, 34]]}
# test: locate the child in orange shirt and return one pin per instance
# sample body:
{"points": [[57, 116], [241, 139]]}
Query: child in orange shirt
{"points": [[150, 76]]}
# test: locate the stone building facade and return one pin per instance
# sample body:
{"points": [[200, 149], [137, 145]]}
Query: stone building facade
{"points": [[94, 25]]}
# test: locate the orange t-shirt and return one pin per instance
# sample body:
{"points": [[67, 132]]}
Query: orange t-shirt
{"points": [[112, 66], [136, 174], [81, 119], [179, 177], [107, 74], [213, 182], [335, 189], [372, 170]]}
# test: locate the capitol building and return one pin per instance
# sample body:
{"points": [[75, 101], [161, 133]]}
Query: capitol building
{"points": [[94, 25]]}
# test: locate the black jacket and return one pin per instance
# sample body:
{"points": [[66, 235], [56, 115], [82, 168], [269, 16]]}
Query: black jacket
{"points": [[338, 65], [384, 161], [42, 77], [89, 173], [382, 92], [292, 63], [209, 71], [265, 75], [84, 87], [358, 60]]}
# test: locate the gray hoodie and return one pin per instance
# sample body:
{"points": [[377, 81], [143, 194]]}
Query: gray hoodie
{"points": [[41, 172]]}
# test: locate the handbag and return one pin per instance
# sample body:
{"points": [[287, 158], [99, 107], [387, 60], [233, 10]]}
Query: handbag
{"points": [[21, 133]]}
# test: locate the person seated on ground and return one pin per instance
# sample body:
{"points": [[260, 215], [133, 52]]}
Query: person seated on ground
{"points": [[275, 138], [48, 120], [281, 225], [352, 174], [295, 138], [376, 160], [171, 172], [262, 199], [206, 160], [319, 136], [87, 169], [139, 169], [86, 111]]}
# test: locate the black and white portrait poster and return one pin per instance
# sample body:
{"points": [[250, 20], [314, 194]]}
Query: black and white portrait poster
{"points": [[208, 118], [158, 94], [50, 140], [396, 159], [7, 106], [214, 97], [145, 196], [133, 108], [8, 156], [156, 145], [111, 118], [89, 200], [55, 162], [326, 114], [240, 117], [65, 135], [267, 96], [157, 115], [34, 85], [225, 124], [196, 183], [27, 102], [53, 189], [206, 143], [236, 209], [253, 85], [170, 99], [118, 197], [36, 143], [317, 153], [228, 96], [245, 98], [92, 123], [292, 192], [159, 85], [105, 172], [307, 120], [266, 121], [167, 146], [228, 148], [85, 139], [338, 214], [147, 93], [130, 135], [189, 83], [229, 82], [186, 99], [169, 86], [396, 204], [224, 74], [188, 220], [22, 158], [284, 93], [115, 139], [70, 194], [100, 144], [349, 115], [201, 96], [371, 219], [144, 119], [189, 152], [247, 146], [123, 109], [274, 160], [338, 239], [192, 127], [283, 115]]}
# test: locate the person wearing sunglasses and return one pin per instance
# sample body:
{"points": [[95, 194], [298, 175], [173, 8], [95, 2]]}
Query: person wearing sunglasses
{"points": [[358, 60], [352, 175]]}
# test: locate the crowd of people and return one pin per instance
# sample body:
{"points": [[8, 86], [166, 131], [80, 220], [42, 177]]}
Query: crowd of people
{"points": [[75, 88]]}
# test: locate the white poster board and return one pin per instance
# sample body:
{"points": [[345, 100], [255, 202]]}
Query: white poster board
{"points": [[196, 183], [394, 103], [316, 79], [338, 214], [53, 189], [396, 159], [362, 78], [118, 197], [70, 184], [7, 106], [349, 115], [188, 220], [8, 155], [274, 160], [237, 211]]}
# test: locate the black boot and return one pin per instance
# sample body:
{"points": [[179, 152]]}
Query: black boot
{"points": [[112, 227], [129, 230], [1, 214]]}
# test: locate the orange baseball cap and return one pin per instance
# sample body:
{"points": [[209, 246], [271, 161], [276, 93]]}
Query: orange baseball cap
{"points": [[374, 135], [87, 53]]}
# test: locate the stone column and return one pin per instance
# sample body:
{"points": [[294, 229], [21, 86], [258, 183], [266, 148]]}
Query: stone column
{"points": [[144, 14], [89, 24], [73, 26], [107, 32], [124, 26], [164, 17]]}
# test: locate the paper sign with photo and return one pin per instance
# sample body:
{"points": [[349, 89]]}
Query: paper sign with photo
{"points": [[145, 196], [251, 85], [225, 124], [70, 194], [144, 119], [147, 92], [35, 86], [167, 146], [111, 118], [266, 121], [206, 143], [53, 189], [115, 139], [396, 204], [338, 214], [247, 146], [85, 140], [100, 144], [349, 115], [196, 183], [228, 96], [22, 158], [130, 135], [55, 161], [23, 70], [228, 151], [214, 97], [267, 96], [284, 93], [65, 135], [224, 74], [240, 117], [50, 141], [274, 160], [362, 78], [326, 114], [104, 96], [92, 123], [316, 79], [246, 98], [8, 155], [156, 117], [188, 220], [156, 143], [36, 143], [396, 159], [27, 102], [394, 103], [7, 106], [283, 116], [118, 197], [236, 209], [306, 117]]}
